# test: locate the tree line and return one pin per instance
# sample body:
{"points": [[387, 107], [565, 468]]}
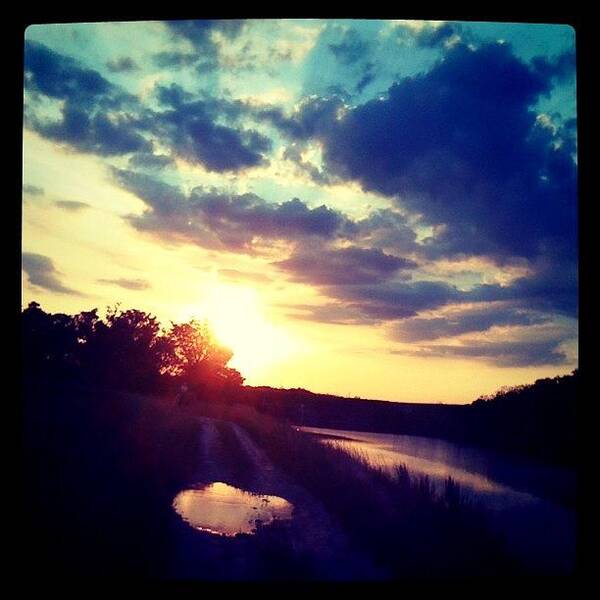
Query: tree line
{"points": [[126, 350]]}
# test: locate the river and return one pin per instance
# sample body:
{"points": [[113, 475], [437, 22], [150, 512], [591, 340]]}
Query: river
{"points": [[530, 505]]}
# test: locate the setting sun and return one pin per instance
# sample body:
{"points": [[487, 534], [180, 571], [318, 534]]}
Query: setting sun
{"points": [[236, 316], [299, 299]]}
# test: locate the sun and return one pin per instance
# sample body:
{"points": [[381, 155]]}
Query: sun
{"points": [[237, 317]]}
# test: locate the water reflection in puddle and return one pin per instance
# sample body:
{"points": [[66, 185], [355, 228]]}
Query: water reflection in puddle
{"points": [[226, 510]]}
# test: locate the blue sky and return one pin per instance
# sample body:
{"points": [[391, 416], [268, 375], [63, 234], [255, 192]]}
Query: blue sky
{"points": [[379, 197]]}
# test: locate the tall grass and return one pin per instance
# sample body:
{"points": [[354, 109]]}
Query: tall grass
{"points": [[399, 520]]}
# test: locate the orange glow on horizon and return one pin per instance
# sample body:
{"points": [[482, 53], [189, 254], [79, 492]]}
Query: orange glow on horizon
{"points": [[237, 318]]}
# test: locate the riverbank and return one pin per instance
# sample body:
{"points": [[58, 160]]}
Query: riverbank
{"points": [[103, 469]]}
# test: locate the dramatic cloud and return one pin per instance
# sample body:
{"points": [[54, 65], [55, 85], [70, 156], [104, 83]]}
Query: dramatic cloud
{"points": [[201, 34], [430, 36], [190, 127], [461, 145], [518, 353], [341, 266], [313, 117], [387, 229], [545, 292], [61, 77], [233, 222], [553, 287], [293, 153], [561, 68], [97, 134], [97, 117], [128, 284], [396, 299], [91, 116], [458, 322], [42, 273]]}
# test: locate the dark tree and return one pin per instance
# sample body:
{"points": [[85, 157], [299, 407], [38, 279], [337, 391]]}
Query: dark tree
{"points": [[194, 356], [127, 350]]}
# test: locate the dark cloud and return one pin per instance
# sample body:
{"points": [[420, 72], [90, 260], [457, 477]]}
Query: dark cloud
{"points": [[33, 190], [386, 229], [313, 117], [174, 60], [190, 127], [92, 118], [460, 145], [517, 353], [71, 205], [351, 48], [148, 160], [431, 36], [561, 68], [526, 301], [124, 64], [128, 284], [99, 118], [200, 34], [215, 219], [162, 198], [61, 77], [395, 299], [342, 266], [552, 287], [42, 273], [97, 133], [458, 322], [293, 153]]}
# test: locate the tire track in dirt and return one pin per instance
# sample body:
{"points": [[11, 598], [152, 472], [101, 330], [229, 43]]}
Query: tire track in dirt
{"points": [[228, 454]]}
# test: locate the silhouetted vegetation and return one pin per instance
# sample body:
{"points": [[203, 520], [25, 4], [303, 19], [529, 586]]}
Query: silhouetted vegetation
{"points": [[127, 350], [107, 447], [400, 521], [536, 421]]}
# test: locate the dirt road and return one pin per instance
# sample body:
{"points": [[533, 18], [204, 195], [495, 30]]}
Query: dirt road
{"points": [[310, 545]]}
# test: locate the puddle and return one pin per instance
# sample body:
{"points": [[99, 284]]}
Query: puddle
{"points": [[226, 510]]}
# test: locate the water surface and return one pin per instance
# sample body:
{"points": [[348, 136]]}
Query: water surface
{"points": [[225, 510], [528, 503]]}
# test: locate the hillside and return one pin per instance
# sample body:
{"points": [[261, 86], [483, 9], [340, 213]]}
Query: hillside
{"points": [[536, 420]]}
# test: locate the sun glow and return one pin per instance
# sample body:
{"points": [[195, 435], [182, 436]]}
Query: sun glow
{"points": [[236, 316]]}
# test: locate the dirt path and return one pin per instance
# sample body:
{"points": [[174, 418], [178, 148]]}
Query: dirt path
{"points": [[226, 453]]}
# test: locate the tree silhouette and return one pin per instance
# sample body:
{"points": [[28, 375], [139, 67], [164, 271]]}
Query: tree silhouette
{"points": [[126, 350], [123, 352], [195, 357]]}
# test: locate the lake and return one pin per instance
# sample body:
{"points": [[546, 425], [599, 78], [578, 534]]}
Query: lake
{"points": [[530, 505]]}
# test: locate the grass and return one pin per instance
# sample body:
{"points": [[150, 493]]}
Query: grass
{"points": [[399, 520], [102, 469]]}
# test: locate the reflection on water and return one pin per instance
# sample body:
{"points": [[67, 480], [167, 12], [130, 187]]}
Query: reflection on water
{"points": [[383, 454], [226, 510], [524, 499], [481, 473]]}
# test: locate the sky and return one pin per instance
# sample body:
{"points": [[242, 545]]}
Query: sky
{"points": [[382, 209]]}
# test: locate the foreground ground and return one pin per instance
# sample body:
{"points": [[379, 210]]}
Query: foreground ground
{"points": [[102, 469]]}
